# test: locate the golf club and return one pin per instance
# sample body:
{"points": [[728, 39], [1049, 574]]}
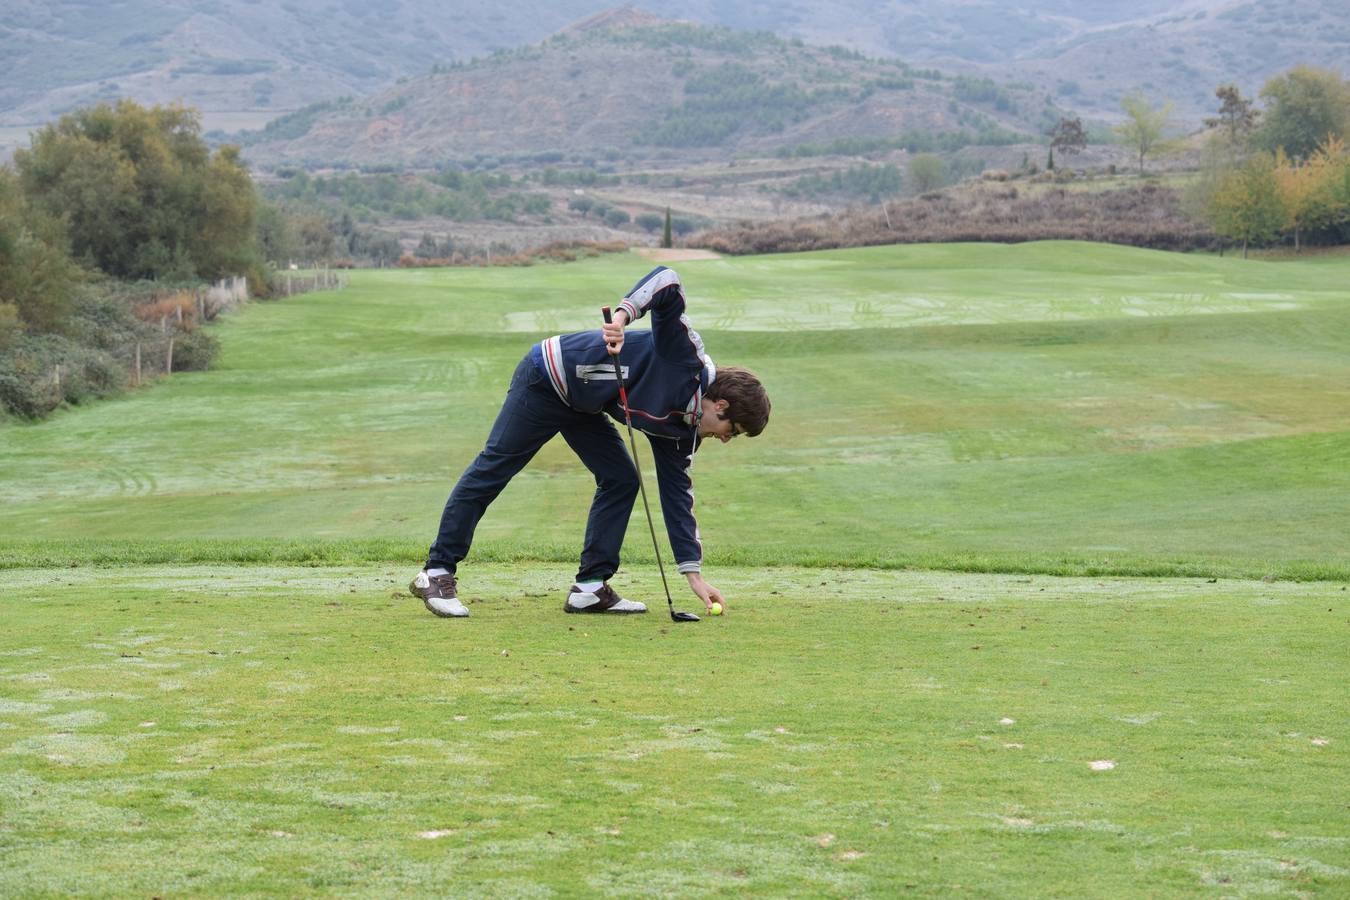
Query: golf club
{"points": [[632, 442]]}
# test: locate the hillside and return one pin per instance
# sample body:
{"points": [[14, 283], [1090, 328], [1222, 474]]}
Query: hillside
{"points": [[241, 61], [244, 62], [1184, 56], [1090, 52], [648, 90]]}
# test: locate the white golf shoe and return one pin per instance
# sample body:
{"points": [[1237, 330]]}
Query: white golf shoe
{"points": [[438, 594], [602, 600]]}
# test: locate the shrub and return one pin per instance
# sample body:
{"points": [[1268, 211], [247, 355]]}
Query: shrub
{"points": [[103, 319], [93, 374], [23, 389], [194, 351], [39, 373]]}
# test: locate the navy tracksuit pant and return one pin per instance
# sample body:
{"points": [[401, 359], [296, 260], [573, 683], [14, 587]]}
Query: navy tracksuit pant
{"points": [[532, 414]]}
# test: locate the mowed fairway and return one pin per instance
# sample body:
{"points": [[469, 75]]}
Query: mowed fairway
{"points": [[1049, 407], [1037, 581]]}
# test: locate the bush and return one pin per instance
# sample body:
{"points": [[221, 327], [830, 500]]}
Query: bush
{"points": [[93, 374], [683, 226], [104, 321], [23, 389], [38, 374], [194, 351]]}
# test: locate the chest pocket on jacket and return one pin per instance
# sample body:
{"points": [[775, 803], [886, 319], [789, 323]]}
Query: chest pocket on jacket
{"points": [[600, 372]]}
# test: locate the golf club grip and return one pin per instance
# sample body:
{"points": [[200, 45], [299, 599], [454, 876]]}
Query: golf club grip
{"points": [[608, 319], [604, 310], [618, 370]]}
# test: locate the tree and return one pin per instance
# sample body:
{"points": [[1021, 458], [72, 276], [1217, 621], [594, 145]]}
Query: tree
{"points": [[666, 240], [426, 248], [683, 226], [276, 240], [141, 192], [1308, 192], [1246, 206], [315, 240], [1068, 137], [616, 218], [927, 172], [1237, 115], [37, 275], [649, 222], [1143, 127], [222, 237], [1303, 108]]}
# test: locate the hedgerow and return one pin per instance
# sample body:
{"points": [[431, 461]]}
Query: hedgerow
{"points": [[1143, 216]]}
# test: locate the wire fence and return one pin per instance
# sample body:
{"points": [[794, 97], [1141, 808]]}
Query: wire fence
{"points": [[172, 317], [144, 331], [291, 282]]}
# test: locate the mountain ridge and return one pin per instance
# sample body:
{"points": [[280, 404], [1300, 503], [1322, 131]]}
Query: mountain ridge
{"points": [[699, 91], [245, 62]]}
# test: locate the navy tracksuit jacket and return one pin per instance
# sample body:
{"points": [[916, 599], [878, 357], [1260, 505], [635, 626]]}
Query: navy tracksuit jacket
{"points": [[561, 387]]}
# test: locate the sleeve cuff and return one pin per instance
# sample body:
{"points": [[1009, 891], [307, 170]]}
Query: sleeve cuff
{"points": [[686, 567]]}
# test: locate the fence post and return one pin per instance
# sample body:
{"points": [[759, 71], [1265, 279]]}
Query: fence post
{"points": [[58, 379], [168, 361], [138, 363]]}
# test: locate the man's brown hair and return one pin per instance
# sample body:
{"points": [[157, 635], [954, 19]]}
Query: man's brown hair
{"points": [[747, 401]]}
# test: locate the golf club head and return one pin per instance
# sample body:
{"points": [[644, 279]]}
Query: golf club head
{"points": [[683, 616]]}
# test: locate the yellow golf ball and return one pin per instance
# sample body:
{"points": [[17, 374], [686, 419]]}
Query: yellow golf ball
{"points": [[716, 609]]}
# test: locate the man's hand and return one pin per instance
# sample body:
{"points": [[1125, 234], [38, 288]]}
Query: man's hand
{"points": [[613, 331], [706, 592]]}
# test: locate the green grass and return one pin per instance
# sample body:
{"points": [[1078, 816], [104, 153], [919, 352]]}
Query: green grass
{"points": [[213, 682], [1052, 407], [212, 730]]}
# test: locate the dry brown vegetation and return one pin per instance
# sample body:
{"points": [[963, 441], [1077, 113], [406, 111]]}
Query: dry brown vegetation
{"points": [[557, 251], [1146, 215], [180, 307]]}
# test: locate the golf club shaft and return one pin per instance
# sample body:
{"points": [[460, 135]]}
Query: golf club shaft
{"points": [[642, 488]]}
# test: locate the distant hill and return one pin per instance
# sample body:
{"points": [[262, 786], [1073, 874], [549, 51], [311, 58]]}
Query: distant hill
{"points": [[639, 89], [1091, 51], [244, 62], [1184, 55]]}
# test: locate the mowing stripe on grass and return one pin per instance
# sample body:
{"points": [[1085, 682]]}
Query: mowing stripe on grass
{"points": [[1208, 437]]}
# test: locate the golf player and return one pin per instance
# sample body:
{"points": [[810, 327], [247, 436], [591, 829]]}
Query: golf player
{"points": [[565, 385]]}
